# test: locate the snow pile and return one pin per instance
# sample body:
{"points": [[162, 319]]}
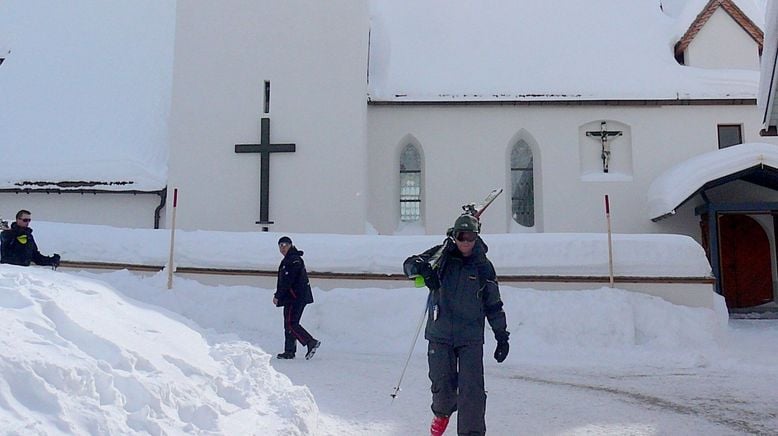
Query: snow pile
{"points": [[545, 325], [78, 358], [563, 254]]}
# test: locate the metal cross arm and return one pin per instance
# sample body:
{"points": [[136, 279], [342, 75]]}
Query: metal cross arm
{"points": [[264, 148]]}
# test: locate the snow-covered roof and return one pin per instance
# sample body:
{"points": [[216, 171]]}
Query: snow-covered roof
{"points": [[459, 50], [86, 93], [676, 185], [769, 74]]}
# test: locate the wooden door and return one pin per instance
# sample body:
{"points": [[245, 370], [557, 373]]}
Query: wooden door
{"points": [[746, 273]]}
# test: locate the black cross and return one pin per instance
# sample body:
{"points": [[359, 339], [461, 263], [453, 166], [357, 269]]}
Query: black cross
{"points": [[264, 148], [604, 134]]}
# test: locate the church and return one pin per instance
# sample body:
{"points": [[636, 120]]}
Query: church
{"points": [[386, 116]]}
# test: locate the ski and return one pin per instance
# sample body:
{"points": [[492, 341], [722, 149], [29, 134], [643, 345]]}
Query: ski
{"points": [[473, 209], [477, 210]]}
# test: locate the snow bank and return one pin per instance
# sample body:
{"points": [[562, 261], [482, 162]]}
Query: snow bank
{"points": [[564, 254], [544, 324], [79, 358]]}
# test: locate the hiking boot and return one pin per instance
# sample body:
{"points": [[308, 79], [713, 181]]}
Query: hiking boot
{"points": [[312, 347], [438, 426], [285, 355]]}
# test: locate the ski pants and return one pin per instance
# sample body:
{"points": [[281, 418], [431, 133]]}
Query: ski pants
{"points": [[457, 375], [293, 331]]}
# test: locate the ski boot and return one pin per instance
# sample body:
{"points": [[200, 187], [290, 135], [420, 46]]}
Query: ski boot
{"points": [[312, 347], [438, 426]]}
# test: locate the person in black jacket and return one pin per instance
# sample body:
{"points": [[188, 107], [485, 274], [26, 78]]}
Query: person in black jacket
{"points": [[293, 292], [463, 292], [17, 246]]}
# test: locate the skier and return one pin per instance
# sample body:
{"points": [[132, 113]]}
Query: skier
{"points": [[293, 292], [18, 247], [464, 291]]}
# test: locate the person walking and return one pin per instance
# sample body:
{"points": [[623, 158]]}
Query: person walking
{"points": [[293, 293], [463, 292], [18, 247]]}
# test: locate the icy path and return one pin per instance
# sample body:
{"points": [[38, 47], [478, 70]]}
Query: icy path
{"points": [[724, 396]]}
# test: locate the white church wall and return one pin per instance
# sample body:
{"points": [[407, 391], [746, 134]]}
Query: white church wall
{"points": [[317, 71], [722, 43], [119, 210], [465, 152]]}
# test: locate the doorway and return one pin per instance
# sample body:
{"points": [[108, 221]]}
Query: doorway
{"points": [[746, 272]]}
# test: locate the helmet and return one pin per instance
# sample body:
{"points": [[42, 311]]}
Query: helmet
{"points": [[466, 223]]}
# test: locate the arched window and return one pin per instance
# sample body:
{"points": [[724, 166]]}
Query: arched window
{"points": [[522, 185], [410, 184]]}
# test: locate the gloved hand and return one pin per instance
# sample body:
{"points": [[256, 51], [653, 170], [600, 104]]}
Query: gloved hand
{"points": [[501, 352], [55, 261], [430, 276]]}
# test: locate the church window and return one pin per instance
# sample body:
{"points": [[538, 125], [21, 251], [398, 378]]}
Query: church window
{"points": [[410, 184], [729, 135], [522, 185]]}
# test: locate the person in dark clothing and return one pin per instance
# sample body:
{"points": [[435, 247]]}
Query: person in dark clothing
{"points": [[293, 292], [18, 247], [463, 292]]}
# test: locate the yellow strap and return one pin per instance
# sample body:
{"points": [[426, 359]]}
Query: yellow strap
{"points": [[22, 239]]}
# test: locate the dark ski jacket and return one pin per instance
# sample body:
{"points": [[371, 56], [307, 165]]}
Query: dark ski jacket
{"points": [[468, 294], [292, 286], [17, 247]]}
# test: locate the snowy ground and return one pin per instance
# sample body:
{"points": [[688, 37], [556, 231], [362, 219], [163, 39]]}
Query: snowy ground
{"points": [[583, 362]]}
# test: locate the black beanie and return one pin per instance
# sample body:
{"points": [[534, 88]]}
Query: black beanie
{"points": [[285, 240]]}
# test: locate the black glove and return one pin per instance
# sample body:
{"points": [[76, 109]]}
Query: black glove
{"points": [[430, 276], [55, 261], [501, 352]]}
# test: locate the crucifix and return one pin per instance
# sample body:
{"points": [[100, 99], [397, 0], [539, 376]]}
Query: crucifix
{"points": [[264, 148], [604, 134]]}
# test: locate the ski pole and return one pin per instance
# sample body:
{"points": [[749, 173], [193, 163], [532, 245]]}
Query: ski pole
{"points": [[413, 345]]}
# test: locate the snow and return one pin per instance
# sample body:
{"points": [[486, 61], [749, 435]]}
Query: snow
{"points": [[80, 358], [526, 50], [92, 79], [558, 254], [674, 186], [119, 353]]}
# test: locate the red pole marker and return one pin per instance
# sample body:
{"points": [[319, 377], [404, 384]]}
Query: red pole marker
{"points": [[172, 240], [610, 242]]}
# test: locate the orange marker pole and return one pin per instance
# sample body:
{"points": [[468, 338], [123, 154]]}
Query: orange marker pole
{"points": [[172, 241]]}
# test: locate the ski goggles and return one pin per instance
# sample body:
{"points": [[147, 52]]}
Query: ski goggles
{"points": [[466, 236]]}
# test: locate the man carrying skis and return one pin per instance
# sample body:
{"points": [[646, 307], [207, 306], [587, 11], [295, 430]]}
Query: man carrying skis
{"points": [[463, 292], [293, 293]]}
